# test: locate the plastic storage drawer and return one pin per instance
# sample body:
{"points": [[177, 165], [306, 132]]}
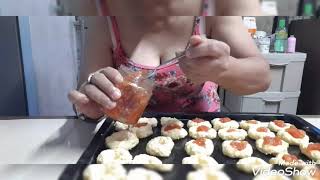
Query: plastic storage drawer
{"points": [[267, 102], [286, 71]]}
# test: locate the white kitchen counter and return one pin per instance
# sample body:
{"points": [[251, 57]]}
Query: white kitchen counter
{"points": [[41, 148]]}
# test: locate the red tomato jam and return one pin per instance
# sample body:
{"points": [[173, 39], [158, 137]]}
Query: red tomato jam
{"points": [[225, 120], [200, 142], [279, 123], [262, 129], [313, 147], [197, 120], [274, 141], [202, 128], [136, 92], [296, 133], [138, 125], [252, 121], [239, 145], [289, 158], [171, 126]]}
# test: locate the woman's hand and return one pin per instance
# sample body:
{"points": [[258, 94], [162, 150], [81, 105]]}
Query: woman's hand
{"points": [[99, 94], [206, 60]]}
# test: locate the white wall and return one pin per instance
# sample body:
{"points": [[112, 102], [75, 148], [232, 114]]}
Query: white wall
{"points": [[27, 7], [55, 62]]}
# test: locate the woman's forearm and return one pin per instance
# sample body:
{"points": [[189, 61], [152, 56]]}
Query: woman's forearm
{"points": [[246, 75]]}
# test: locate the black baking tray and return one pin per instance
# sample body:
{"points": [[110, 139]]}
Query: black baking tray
{"points": [[74, 172]]}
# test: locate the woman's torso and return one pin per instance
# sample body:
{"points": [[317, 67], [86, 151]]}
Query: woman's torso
{"points": [[146, 42]]}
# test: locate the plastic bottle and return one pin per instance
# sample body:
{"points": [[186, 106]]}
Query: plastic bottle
{"points": [[292, 44], [308, 9], [281, 37]]}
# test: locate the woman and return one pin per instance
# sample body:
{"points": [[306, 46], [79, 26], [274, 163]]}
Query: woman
{"points": [[224, 55]]}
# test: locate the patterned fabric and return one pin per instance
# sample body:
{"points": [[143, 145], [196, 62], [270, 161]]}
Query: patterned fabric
{"points": [[173, 91]]}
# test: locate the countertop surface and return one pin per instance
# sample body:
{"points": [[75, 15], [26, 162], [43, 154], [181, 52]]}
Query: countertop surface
{"points": [[41, 148]]}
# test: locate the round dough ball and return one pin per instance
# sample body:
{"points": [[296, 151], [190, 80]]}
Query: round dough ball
{"points": [[309, 172], [119, 126], [152, 121], [198, 122], [277, 125], [207, 174], [232, 134], [202, 132], [109, 156], [237, 149], [169, 120], [104, 172], [160, 146], [220, 123], [142, 130], [122, 139], [202, 161], [152, 162], [247, 124], [259, 132], [272, 145], [312, 151], [199, 146], [143, 174], [288, 160], [270, 177], [252, 164], [174, 131], [294, 136]]}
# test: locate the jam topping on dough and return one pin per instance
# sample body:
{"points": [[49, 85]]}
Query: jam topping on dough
{"points": [[198, 120], [313, 147], [200, 142], [279, 123], [274, 141], [296, 133], [252, 121], [231, 130], [202, 128], [239, 145], [290, 158], [171, 127], [138, 125], [262, 129], [225, 120]]}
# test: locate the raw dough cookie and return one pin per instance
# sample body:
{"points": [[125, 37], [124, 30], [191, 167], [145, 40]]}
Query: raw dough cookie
{"points": [[277, 125], [232, 134], [202, 131], [207, 174], [202, 161], [104, 172], [122, 139], [312, 151], [199, 146], [143, 174], [160, 146], [309, 172], [237, 149], [198, 122], [220, 123], [252, 164], [152, 121], [166, 120], [259, 132], [142, 130], [119, 126], [288, 160], [152, 162], [294, 136], [270, 177], [109, 156], [272, 145], [247, 124], [174, 131]]}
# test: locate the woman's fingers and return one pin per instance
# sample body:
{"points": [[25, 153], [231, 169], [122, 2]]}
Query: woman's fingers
{"points": [[77, 97], [112, 74], [98, 96], [209, 47], [105, 85]]}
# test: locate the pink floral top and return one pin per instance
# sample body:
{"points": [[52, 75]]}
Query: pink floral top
{"points": [[173, 91]]}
